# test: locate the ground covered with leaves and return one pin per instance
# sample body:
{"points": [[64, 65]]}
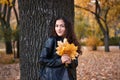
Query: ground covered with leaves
{"points": [[93, 65], [99, 65]]}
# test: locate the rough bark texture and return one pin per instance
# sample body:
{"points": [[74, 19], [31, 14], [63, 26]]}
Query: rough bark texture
{"points": [[35, 19]]}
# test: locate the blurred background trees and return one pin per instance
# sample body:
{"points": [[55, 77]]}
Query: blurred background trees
{"points": [[9, 25], [102, 17], [98, 18]]}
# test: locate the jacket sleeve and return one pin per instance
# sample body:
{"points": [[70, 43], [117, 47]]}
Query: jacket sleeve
{"points": [[47, 51], [74, 63]]}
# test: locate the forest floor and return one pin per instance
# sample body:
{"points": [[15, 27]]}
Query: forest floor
{"points": [[99, 65], [93, 65]]}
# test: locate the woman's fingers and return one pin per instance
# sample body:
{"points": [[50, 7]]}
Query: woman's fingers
{"points": [[66, 59]]}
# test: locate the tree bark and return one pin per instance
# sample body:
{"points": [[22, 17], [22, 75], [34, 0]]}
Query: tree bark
{"points": [[105, 33], [8, 47], [35, 19], [18, 55], [106, 42]]}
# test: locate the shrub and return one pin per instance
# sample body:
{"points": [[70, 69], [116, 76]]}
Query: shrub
{"points": [[114, 41], [93, 42]]}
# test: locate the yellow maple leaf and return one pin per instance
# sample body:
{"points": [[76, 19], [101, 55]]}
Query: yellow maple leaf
{"points": [[67, 48]]}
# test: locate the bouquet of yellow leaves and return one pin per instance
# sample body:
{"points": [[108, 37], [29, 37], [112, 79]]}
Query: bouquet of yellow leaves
{"points": [[67, 48]]}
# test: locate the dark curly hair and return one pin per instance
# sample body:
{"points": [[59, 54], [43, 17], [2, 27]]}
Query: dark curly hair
{"points": [[69, 33]]}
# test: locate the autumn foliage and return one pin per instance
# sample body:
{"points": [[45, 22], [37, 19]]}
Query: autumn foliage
{"points": [[8, 2], [66, 48], [93, 42]]}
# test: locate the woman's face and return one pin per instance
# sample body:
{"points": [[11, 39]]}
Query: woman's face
{"points": [[60, 27]]}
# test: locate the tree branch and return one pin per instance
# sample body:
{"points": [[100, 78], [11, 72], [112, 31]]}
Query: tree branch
{"points": [[85, 9], [90, 12]]}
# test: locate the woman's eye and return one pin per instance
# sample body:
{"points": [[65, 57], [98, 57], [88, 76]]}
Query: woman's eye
{"points": [[62, 25], [56, 25], [59, 26]]}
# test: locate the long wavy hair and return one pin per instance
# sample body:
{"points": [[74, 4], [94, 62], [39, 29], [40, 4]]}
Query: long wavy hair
{"points": [[69, 32]]}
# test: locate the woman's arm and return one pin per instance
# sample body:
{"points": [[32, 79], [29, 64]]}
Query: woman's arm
{"points": [[74, 63], [47, 52]]}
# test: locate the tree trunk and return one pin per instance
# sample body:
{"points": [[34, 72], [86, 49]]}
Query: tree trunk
{"points": [[5, 24], [106, 42], [105, 32], [35, 19], [94, 48], [8, 47], [18, 55], [9, 31]]}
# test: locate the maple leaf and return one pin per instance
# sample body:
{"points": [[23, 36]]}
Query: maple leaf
{"points": [[66, 48]]}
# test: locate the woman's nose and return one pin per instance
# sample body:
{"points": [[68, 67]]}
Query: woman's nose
{"points": [[59, 27]]}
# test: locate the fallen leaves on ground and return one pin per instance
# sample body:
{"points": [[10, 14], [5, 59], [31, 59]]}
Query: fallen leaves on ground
{"points": [[93, 65], [99, 65]]}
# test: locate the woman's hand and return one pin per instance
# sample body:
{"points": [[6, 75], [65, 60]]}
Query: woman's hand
{"points": [[66, 59]]}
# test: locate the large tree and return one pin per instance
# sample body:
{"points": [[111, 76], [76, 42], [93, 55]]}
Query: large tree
{"points": [[36, 17]]}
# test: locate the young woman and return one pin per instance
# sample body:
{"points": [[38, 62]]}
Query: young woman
{"points": [[52, 65]]}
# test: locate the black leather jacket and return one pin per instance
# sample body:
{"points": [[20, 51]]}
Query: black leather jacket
{"points": [[51, 64]]}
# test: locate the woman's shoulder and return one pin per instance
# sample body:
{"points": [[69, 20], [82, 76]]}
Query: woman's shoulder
{"points": [[50, 41], [51, 38], [55, 38]]}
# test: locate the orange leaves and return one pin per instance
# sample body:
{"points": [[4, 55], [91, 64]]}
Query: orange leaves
{"points": [[8, 2], [3, 1], [66, 48]]}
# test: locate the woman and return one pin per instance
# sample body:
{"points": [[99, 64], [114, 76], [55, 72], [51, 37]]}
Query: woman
{"points": [[52, 65]]}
